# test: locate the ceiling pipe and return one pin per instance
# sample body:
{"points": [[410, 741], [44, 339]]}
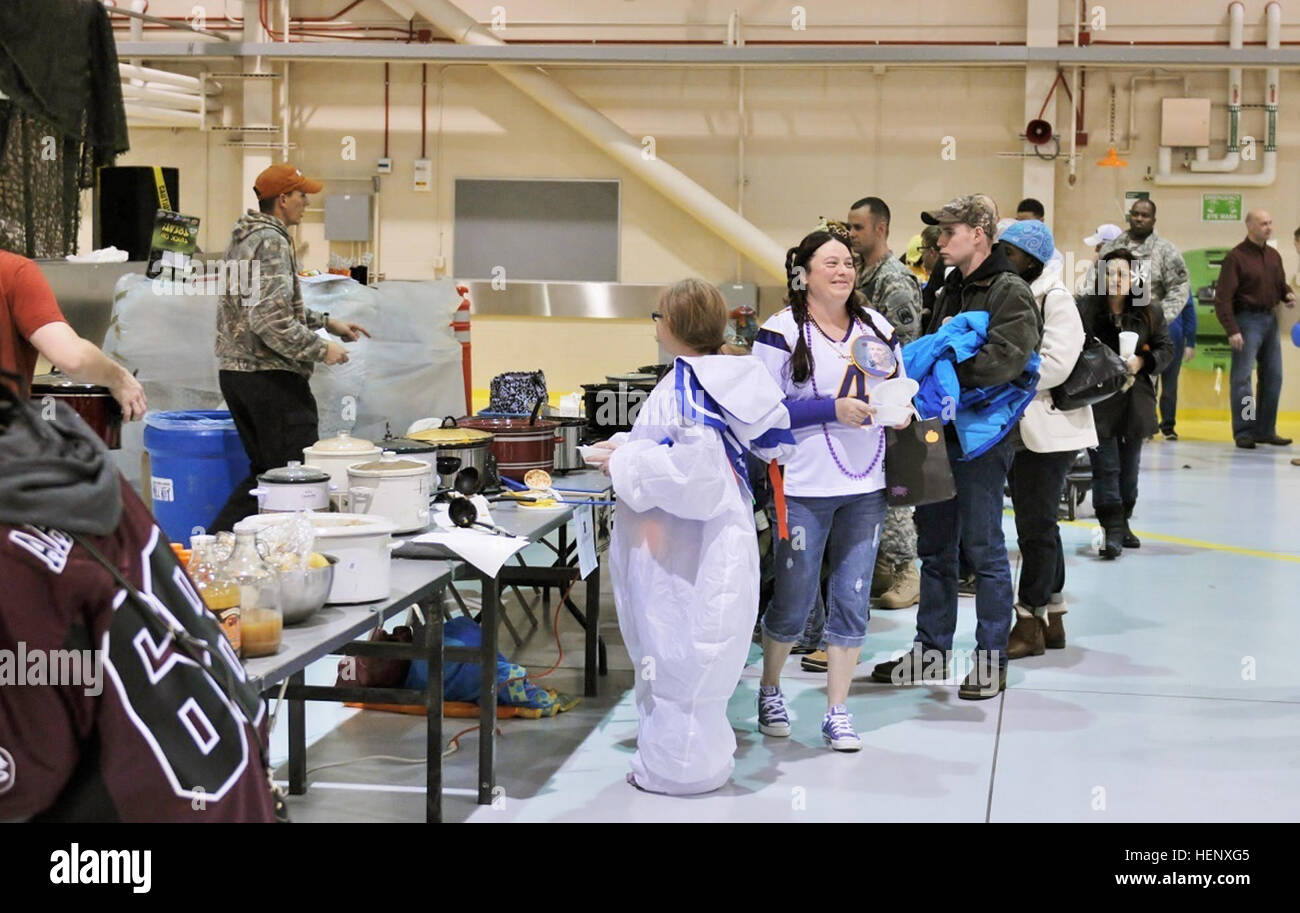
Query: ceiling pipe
{"points": [[149, 76], [1268, 172], [613, 140], [149, 116], [1232, 160], [162, 99]]}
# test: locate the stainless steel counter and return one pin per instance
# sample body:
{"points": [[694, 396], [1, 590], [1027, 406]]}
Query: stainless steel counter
{"points": [[84, 292], [623, 300]]}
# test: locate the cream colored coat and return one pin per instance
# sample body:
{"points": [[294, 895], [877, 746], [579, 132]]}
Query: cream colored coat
{"points": [[1044, 428]]}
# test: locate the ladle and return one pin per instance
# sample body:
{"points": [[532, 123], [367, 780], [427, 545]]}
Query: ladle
{"points": [[465, 515]]}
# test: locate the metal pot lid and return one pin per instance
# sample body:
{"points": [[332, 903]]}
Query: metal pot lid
{"points": [[343, 442], [294, 474], [401, 445], [510, 427], [64, 384], [389, 464]]}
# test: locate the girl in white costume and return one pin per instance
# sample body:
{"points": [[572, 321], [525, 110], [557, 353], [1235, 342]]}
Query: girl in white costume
{"points": [[684, 551]]}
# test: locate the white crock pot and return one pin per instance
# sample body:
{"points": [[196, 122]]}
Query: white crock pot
{"points": [[363, 546], [336, 454], [291, 488], [396, 488]]}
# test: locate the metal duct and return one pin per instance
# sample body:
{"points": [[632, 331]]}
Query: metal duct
{"points": [[627, 150]]}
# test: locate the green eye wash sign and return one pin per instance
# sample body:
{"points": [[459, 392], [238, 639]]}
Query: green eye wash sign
{"points": [[1220, 207]]}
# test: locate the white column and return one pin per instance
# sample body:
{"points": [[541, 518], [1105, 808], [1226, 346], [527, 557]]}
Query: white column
{"points": [[1038, 177], [258, 107]]}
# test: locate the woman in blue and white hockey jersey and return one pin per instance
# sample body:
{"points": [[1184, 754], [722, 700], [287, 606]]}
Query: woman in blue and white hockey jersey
{"points": [[835, 483], [684, 551]]}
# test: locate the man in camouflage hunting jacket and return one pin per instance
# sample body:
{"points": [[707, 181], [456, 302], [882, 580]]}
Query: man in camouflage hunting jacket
{"points": [[1158, 261], [892, 290], [267, 343]]}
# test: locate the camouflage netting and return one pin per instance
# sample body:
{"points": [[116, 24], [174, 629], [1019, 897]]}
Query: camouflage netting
{"points": [[61, 118], [41, 179]]}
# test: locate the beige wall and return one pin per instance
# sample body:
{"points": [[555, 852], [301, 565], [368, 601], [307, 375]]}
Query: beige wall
{"points": [[815, 140]]}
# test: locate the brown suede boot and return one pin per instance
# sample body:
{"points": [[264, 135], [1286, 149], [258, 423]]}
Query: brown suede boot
{"points": [[1054, 638], [1027, 636]]}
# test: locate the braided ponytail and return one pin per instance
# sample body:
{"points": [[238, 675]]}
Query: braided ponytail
{"points": [[796, 286]]}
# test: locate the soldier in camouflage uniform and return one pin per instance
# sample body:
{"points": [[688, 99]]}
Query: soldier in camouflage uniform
{"points": [[892, 290], [1162, 265], [266, 338]]}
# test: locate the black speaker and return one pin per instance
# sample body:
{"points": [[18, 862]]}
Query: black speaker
{"points": [[126, 201]]}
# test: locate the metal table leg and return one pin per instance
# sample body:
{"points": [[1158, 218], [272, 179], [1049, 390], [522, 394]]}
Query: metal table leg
{"points": [[487, 716], [593, 634], [297, 740], [433, 638]]}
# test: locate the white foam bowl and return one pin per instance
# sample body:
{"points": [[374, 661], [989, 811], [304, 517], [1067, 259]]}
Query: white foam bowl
{"points": [[896, 392], [890, 414]]}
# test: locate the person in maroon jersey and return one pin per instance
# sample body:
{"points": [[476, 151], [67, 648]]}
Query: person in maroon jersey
{"points": [[168, 729]]}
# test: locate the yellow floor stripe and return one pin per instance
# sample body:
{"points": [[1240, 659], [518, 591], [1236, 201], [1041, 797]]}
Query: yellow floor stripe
{"points": [[1197, 543]]}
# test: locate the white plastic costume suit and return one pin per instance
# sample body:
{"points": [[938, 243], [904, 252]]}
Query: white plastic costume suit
{"points": [[684, 559]]}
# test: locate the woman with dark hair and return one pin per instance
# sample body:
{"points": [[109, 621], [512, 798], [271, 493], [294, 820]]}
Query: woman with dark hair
{"points": [[827, 352], [1126, 419]]}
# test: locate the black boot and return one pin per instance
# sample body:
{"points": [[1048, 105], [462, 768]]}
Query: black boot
{"points": [[1111, 518], [1130, 540]]}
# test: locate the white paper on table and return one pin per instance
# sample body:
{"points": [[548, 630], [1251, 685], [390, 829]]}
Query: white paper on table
{"points": [[484, 550], [322, 277], [584, 519]]}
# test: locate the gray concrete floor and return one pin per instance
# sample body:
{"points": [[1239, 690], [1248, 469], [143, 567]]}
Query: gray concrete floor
{"points": [[1175, 699]]}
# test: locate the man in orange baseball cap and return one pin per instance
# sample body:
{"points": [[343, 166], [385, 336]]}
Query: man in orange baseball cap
{"points": [[267, 343], [284, 187]]}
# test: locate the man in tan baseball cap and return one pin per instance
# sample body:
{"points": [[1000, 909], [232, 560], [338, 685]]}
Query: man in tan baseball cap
{"points": [[973, 210], [267, 344], [970, 524]]}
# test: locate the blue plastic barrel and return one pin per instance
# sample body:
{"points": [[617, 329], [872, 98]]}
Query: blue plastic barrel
{"points": [[196, 460]]}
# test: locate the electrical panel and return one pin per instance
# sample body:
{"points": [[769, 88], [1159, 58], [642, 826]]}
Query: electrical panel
{"points": [[348, 217], [423, 175], [1185, 122]]}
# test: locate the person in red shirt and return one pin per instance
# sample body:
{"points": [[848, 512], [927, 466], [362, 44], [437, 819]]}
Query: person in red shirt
{"points": [[31, 324]]}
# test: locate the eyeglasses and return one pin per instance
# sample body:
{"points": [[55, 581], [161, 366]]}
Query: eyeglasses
{"points": [[656, 316]]}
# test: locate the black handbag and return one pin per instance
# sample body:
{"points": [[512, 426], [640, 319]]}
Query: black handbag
{"points": [[1098, 374], [916, 465]]}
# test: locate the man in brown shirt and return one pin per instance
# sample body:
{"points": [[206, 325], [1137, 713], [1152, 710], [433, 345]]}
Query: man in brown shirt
{"points": [[1251, 284]]}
